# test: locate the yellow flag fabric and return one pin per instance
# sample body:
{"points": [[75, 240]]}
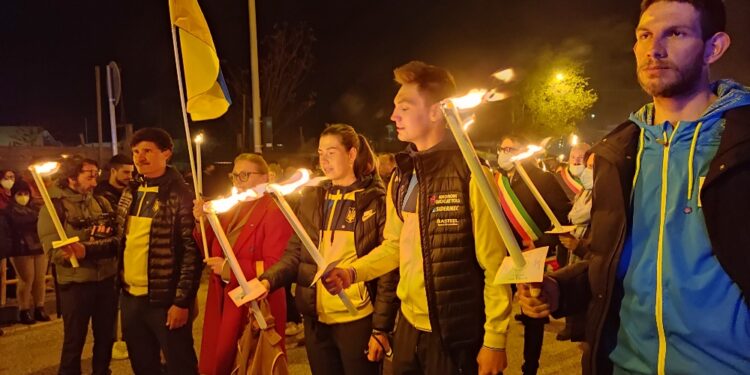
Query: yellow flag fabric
{"points": [[207, 95]]}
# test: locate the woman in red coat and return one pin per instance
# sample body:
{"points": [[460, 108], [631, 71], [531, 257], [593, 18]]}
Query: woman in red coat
{"points": [[258, 232]]}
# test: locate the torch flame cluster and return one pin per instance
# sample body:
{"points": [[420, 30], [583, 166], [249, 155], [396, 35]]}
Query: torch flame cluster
{"points": [[530, 151], [475, 97], [290, 187], [300, 178], [225, 204], [505, 75], [46, 168]]}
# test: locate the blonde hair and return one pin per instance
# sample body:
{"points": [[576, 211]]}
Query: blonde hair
{"points": [[255, 159], [434, 82]]}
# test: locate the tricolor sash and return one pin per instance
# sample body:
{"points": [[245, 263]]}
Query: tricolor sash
{"points": [[516, 214], [571, 182]]}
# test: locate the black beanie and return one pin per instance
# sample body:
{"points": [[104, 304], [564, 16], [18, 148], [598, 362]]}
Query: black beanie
{"points": [[18, 186]]}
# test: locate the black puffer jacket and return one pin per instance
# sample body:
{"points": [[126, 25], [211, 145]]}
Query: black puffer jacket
{"points": [[174, 262], [454, 280], [6, 241], [296, 265]]}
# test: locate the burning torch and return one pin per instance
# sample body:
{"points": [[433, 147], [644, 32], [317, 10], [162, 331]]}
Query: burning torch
{"points": [[277, 192], [517, 160], [37, 170]]}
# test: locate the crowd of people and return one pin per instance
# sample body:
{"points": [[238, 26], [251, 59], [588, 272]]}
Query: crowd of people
{"points": [[654, 243]]}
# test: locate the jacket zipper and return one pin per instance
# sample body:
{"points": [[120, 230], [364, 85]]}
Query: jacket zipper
{"points": [[659, 303]]}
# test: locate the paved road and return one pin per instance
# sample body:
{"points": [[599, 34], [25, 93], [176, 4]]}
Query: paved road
{"points": [[36, 350]]}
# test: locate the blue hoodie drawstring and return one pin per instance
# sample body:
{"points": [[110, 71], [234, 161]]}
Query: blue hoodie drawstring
{"points": [[691, 161], [638, 156]]}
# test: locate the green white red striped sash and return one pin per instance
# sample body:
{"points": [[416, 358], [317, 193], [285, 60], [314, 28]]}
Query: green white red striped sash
{"points": [[571, 182], [516, 214]]}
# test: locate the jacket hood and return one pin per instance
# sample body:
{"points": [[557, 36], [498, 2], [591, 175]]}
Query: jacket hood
{"points": [[731, 95]]}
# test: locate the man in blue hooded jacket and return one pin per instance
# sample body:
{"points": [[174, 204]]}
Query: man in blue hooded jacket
{"points": [[667, 282]]}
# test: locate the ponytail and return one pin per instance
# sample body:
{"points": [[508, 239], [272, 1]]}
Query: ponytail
{"points": [[364, 165]]}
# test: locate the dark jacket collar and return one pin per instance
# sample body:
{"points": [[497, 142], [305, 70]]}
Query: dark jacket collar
{"points": [[367, 183], [404, 158], [447, 144], [170, 176]]}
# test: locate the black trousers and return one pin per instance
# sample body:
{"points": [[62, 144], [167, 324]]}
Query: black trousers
{"points": [[533, 338], [418, 352], [292, 314], [338, 349], [83, 302], [145, 331]]}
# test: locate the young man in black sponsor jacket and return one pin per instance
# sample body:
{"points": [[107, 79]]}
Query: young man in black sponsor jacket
{"points": [[439, 234], [160, 265]]}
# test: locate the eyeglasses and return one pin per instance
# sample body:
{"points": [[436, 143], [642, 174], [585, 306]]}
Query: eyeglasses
{"points": [[507, 150], [92, 172], [242, 176]]}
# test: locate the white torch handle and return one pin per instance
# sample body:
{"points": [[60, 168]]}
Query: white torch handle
{"points": [[299, 229], [226, 248], [308, 242], [490, 198], [221, 236], [534, 191], [64, 240]]}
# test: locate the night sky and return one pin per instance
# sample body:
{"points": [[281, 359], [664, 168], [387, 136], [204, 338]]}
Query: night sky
{"points": [[49, 49]]}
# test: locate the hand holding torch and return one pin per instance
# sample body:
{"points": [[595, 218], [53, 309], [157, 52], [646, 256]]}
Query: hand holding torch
{"points": [[244, 293], [278, 192], [37, 170]]}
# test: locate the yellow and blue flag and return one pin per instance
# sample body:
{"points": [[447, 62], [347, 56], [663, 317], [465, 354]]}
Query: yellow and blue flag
{"points": [[207, 94]]}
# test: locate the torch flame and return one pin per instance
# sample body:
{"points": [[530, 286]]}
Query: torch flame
{"points": [[505, 75], [301, 178], [574, 140], [496, 96], [470, 100], [46, 168], [198, 138], [468, 123], [530, 151], [225, 204]]}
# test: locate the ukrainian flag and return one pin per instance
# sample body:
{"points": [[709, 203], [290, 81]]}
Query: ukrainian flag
{"points": [[207, 94]]}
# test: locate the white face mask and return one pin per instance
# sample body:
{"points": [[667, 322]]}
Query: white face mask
{"points": [[587, 179], [505, 162], [22, 199], [7, 184], [576, 170]]}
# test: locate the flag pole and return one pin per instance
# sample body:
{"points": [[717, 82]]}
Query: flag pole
{"points": [[189, 139], [255, 77]]}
